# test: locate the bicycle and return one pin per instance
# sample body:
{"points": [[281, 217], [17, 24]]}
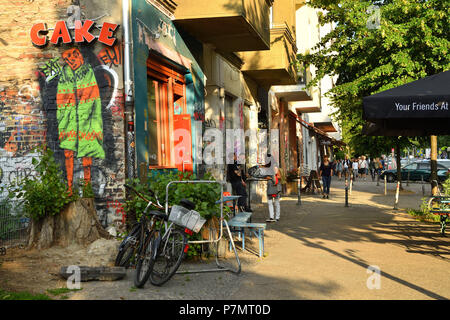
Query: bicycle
{"points": [[440, 205], [162, 247], [129, 246]]}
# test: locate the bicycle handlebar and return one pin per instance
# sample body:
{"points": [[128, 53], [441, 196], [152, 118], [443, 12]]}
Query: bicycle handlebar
{"points": [[140, 195]]}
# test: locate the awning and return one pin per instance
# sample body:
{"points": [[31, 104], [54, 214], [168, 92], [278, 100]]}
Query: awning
{"points": [[418, 108], [321, 134]]}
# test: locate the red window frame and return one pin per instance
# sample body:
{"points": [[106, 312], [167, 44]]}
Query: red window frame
{"points": [[169, 86]]}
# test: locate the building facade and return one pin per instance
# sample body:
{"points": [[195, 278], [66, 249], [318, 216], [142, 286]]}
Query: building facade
{"points": [[61, 83], [118, 88]]}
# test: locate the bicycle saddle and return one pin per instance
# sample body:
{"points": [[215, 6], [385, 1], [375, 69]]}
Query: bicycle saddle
{"points": [[187, 204], [159, 214]]}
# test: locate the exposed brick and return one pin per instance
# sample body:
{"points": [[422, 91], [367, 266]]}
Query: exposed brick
{"points": [[20, 64]]}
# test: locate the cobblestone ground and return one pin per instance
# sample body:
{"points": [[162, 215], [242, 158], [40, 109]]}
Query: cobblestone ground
{"points": [[321, 250]]}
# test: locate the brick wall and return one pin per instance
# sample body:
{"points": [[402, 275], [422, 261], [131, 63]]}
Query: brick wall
{"points": [[30, 80]]}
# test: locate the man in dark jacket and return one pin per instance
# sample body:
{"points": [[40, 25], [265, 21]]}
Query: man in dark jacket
{"points": [[237, 180]]}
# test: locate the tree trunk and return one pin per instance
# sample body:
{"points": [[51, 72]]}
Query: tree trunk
{"points": [[76, 224]]}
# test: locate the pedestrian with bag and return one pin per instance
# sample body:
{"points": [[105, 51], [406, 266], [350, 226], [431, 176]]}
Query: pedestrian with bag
{"points": [[273, 191], [326, 171], [373, 168], [347, 166], [237, 180], [362, 165]]}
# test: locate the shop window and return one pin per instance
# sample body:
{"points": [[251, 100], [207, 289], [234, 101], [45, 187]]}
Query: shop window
{"points": [[166, 112], [159, 124]]}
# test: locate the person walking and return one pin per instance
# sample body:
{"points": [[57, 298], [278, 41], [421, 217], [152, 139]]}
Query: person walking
{"points": [[273, 191], [362, 165], [379, 166], [326, 171], [355, 167], [235, 177], [373, 168], [339, 169], [347, 167], [383, 163]]}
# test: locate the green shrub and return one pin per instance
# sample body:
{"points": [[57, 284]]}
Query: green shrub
{"points": [[46, 193], [424, 213], [87, 190], [203, 195]]}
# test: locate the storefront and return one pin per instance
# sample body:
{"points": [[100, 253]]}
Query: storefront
{"points": [[169, 93]]}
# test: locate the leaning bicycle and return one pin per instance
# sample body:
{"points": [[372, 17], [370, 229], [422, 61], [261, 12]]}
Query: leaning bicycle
{"points": [[129, 246], [172, 242], [164, 241], [440, 205]]}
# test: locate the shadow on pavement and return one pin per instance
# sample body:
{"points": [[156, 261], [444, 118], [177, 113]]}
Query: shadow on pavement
{"points": [[366, 220]]}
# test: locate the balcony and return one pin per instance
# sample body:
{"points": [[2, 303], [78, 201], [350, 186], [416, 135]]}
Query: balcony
{"points": [[229, 25], [313, 103], [274, 66], [295, 92], [325, 126]]}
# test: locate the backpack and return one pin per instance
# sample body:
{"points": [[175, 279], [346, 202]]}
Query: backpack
{"points": [[273, 187]]}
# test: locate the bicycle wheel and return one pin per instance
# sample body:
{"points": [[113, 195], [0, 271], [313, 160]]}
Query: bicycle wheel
{"points": [[169, 256], [144, 260], [128, 248]]}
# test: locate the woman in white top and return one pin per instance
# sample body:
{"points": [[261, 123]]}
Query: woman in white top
{"points": [[355, 167], [363, 167]]}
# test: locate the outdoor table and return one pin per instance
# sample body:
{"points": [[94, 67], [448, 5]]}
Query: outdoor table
{"points": [[230, 198]]}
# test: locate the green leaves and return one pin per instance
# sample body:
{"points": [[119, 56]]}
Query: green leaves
{"points": [[412, 42], [45, 192], [203, 195]]}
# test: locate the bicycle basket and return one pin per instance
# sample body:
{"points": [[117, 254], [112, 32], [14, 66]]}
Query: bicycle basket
{"points": [[183, 217]]}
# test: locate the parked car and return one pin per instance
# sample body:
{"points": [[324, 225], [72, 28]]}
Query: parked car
{"points": [[418, 170], [444, 162]]}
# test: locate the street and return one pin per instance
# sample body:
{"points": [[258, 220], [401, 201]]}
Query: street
{"points": [[321, 250]]}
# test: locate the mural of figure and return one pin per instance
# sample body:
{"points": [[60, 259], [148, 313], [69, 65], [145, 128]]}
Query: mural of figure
{"points": [[79, 114]]}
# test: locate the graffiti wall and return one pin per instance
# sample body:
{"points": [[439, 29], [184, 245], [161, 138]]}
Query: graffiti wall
{"points": [[72, 100]]}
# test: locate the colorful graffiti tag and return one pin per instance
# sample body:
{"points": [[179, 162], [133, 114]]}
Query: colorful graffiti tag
{"points": [[82, 103], [76, 90]]}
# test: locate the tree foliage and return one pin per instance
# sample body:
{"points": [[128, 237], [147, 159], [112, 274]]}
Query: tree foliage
{"points": [[44, 193], [203, 195], [409, 40]]}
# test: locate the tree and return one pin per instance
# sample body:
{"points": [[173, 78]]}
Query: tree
{"points": [[375, 46]]}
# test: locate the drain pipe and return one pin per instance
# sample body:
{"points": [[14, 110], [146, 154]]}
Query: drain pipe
{"points": [[128, 92]]}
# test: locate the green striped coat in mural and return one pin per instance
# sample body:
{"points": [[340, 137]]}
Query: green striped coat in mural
{"points": [[79, 113]]}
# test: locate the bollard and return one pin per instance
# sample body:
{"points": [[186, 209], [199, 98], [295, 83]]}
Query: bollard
{"points": [[346, 192], [351, 184], [407, 181], [385, 185], [396, 196], [299, 187]]}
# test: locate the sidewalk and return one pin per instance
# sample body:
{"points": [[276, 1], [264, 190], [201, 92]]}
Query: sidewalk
{"points": [[318, 250], [321, 249]]}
